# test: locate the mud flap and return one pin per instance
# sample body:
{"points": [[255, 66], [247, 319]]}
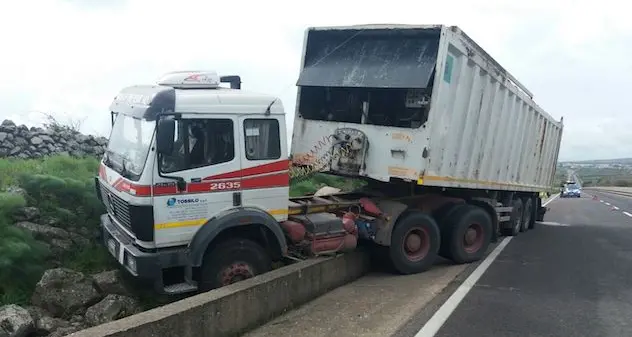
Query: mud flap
{"points": [[541, 211]]}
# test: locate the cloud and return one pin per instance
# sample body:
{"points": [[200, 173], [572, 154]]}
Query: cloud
{"points": [[70, 57]]}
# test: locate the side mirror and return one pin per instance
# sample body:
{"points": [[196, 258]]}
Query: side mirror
{"points": [[164, 136]]}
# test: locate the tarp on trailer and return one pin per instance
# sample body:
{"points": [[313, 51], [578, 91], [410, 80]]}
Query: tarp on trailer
{"points": [[373, 58]]}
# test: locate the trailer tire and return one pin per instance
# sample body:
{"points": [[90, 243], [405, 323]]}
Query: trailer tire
{"points": [[231, 261], [515, 221], [467, 234], [443, 217], [527, 215], [414, 243]]}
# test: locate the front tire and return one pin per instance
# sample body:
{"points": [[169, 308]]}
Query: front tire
{"points": [[231, 261], [414, 243]]}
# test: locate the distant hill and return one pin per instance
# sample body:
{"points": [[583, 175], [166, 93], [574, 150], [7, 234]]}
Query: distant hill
{"points": [[623, 161]]}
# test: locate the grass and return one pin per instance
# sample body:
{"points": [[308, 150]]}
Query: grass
{"points": [[61, 187]]}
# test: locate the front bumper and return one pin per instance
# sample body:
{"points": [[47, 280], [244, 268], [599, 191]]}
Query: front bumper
{"points": [[141, 264]]}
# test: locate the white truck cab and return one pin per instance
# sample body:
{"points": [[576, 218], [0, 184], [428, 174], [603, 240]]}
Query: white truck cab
{"points": [[185, 156]]}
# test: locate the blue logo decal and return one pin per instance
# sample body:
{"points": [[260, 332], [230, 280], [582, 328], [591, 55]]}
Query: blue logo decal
{"points": [[171, 201]]}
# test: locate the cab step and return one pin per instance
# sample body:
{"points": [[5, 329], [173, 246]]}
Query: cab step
{"points": [[179, 288]]}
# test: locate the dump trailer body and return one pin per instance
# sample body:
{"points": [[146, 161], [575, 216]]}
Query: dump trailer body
{"points": [[419, 103]]}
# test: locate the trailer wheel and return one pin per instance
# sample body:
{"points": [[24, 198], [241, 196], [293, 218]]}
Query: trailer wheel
{"points": [[414, 243], [232, 261], [444, 218], [527, 215], [467, 234], [515, 221]]}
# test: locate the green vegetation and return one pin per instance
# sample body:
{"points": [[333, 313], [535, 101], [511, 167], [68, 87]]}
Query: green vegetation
{"points": [[607, 176], [62, 188]]}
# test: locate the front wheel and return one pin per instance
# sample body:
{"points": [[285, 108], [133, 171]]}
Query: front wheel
{"points": [[414, 243], [232, 261]]}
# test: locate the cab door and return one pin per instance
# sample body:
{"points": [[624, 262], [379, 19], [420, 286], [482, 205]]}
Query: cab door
{"points": [[264, 163], [205, 156]]}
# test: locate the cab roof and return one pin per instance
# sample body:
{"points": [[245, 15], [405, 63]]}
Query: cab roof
{"points": [[191, 93]]}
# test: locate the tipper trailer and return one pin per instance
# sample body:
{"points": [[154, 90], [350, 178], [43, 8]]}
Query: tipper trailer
{"points": [[454, 151]]}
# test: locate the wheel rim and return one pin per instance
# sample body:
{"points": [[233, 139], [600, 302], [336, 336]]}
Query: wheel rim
{"points": [[527, 218], [473, 238], [416, 244], [236, 272]]}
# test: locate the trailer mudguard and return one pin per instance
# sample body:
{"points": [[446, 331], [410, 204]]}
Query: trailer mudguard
{"points": [[234, 217]]}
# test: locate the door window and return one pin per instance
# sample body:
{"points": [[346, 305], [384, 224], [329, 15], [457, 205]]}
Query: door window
{"points": [[200, 142], [262, 139]]}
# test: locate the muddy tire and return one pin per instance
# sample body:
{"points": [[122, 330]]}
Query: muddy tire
{"points": [[232, 261], [527, 215], [414, 243], [467, 234], [513, 227]]}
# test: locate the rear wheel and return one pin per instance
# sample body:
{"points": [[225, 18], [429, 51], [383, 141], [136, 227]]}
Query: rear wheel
{"points": [[414, 243], [232, 261], [466, 234], [515, 221], [527, 215]]}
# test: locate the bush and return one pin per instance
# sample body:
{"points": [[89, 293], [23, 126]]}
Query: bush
{"points": [[21, 256], [61, 187]]}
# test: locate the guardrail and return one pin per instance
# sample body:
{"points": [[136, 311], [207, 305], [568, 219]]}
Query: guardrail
{"points": [[624, 191], [239, 307]]}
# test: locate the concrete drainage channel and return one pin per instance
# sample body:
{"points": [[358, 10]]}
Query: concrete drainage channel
{"points": [[239, 307]]}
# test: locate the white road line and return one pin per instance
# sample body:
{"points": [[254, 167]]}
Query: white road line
{"points": [[607, 203], [615, 207], [601, 201], [628, 214], [436, 321], [441, 316]]}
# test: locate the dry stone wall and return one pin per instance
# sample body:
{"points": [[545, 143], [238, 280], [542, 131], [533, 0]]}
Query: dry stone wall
{"points": [[20, 141]]}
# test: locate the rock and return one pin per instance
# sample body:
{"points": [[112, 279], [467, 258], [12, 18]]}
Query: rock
{"points": [[27, 214], [3, 136], [15, 321], [16, 190], [64, 292], [111, 308], [79, 240], [111, 282], [61, 332], [61, 245], [44, 232], [44, 324], [37, 140]]}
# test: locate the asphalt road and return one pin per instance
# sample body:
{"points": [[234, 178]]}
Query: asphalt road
{"points": [[570, 277]]}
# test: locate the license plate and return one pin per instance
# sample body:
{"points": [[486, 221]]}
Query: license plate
{"points": [[112, 247]]}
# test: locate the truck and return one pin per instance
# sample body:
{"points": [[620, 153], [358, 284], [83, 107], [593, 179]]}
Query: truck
{"points": [[453, 150]]}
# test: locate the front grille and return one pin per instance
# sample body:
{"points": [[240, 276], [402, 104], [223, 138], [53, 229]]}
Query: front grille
{"points": [[138, 219], [117, 207]]}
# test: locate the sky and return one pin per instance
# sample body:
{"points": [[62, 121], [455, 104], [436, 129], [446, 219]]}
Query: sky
{"points": [[69, 58]]}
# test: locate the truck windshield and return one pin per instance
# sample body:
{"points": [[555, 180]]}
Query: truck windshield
{"points": [[129, 144]]}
